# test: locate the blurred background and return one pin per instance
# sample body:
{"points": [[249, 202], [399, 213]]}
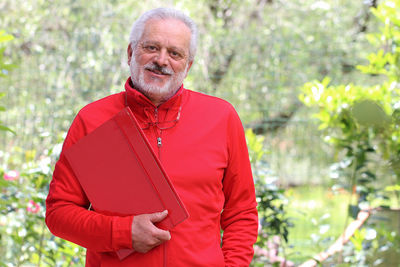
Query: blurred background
{"points": [[316, 84]]}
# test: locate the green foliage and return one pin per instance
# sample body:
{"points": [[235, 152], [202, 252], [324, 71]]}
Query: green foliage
{"points": [[256, 53], [2, 109], [270, 198], [318, 220], [253, 53], [4, 68], [24, 237], [372, 245], [358, 238], [386, 60], [362, 122]]}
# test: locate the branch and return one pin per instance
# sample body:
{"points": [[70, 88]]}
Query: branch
{"points": [[343, 239], [276, 122], [363, 17]]}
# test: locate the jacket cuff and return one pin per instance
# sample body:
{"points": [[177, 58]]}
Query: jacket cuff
{"points": [[122, 232]]}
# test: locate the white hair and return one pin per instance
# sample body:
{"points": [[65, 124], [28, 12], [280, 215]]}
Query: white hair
{"points": [[163, 13]]}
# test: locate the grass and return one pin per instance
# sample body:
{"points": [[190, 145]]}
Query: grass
{"points": [[319, 217]]}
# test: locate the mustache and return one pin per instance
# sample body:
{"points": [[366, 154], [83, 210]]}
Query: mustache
{"points": [[155, 67]]}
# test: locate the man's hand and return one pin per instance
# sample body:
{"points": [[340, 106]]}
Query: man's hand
{"points": [[145, 235]]}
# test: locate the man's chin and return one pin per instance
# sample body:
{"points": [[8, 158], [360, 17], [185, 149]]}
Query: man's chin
{"points": [[156, 86], [155, 90]]}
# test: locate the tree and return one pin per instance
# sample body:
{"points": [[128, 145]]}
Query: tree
{"points": [[363, 122], [254, 53]]}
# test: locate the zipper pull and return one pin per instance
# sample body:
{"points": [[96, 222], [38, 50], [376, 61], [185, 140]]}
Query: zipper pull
{"points": [[159, 141]]}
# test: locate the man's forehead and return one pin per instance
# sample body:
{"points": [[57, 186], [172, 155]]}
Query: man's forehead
{"points": [[172, 29]]}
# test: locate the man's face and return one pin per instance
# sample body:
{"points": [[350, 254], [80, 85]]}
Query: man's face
{"points": [[160, 61]]}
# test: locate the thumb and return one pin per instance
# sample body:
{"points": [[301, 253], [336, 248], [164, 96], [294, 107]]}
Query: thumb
{"points": [[158, 216]]}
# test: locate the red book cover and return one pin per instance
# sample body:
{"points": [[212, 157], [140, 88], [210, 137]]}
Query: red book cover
{"points": [[121, 175]]}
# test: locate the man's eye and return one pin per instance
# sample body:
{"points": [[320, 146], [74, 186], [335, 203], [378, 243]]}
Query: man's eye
{"points": [[151, 48], [175, 54]]}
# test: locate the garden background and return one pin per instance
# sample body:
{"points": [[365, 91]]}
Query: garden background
{"points": [[316, 84]]}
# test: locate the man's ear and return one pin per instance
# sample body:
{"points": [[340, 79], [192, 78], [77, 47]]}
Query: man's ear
{"points": [[129, 51], [189, 66]]}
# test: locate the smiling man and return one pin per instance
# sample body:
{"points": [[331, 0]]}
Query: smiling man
{"points": [[161, 59], [200, 141]]}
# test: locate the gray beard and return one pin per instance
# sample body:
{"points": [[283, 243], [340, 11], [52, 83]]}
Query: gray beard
{"points": [[164, 92]]}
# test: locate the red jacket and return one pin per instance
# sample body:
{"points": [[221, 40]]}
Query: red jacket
{"points": [[202, 147]]}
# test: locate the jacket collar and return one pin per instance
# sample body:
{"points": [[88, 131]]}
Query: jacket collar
{"points": [[145, 110]]}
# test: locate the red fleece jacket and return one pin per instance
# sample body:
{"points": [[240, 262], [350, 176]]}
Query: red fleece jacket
{"points": [[204, 152]]}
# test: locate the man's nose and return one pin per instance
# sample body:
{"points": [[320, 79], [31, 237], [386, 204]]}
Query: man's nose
{"points": [[162, 58]]}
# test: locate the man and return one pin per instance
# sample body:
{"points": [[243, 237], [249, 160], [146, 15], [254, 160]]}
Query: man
{"points": [[199, 140]]}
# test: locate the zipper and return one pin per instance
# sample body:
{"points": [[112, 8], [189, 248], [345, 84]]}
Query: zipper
{"points": [[159, 143], [158, 134]]}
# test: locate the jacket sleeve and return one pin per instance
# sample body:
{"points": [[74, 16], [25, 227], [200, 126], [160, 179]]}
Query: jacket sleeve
{"points": [[67, 214], [239, 219]]}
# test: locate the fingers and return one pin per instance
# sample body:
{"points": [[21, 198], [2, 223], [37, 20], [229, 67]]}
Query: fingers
{"points": [[162, 235], [145, 235], [158, 216], [158, 233]]}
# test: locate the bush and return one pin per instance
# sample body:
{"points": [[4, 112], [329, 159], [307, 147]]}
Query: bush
{"points": [[24, 237], [363, 122]]}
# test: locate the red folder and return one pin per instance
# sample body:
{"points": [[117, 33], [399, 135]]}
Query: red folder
{"points": [[121, 175]]}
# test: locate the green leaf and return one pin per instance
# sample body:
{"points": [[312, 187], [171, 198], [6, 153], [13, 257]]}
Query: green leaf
{"points": [[368, 113], [5, 37], [4, 128], [393, 188]]}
